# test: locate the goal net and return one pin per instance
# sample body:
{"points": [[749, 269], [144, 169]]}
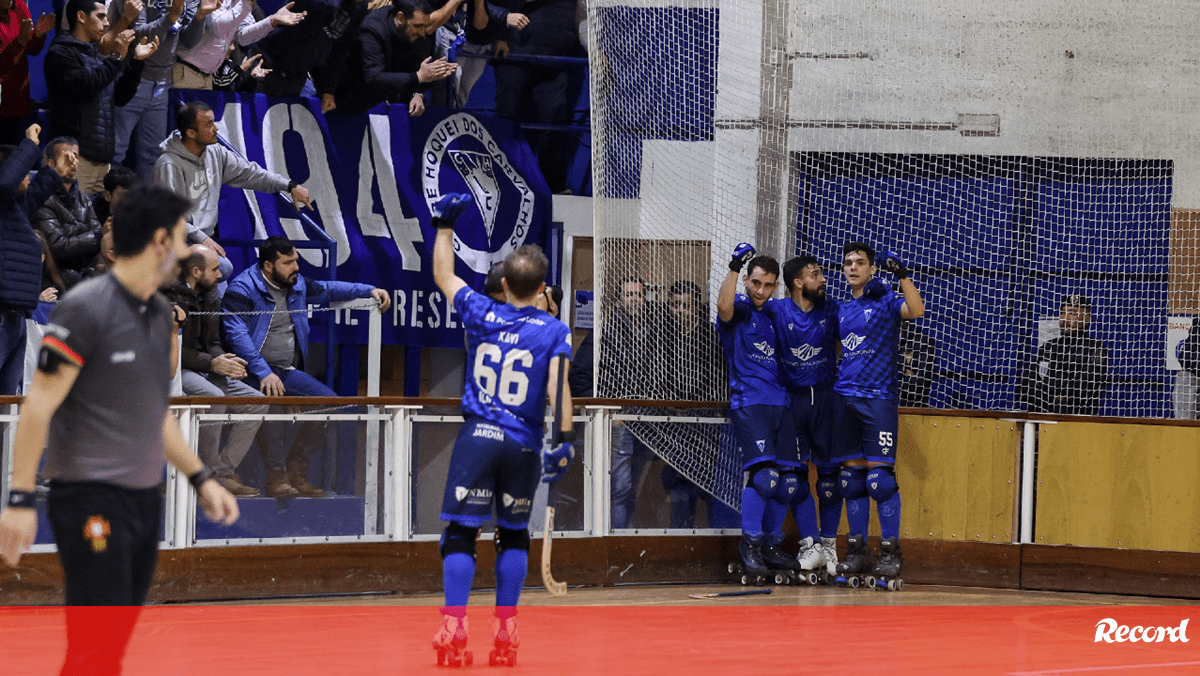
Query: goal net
{"points": [[1029, 161]]}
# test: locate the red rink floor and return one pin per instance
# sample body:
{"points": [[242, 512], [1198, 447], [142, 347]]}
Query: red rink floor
{"points": [[628, 640]]}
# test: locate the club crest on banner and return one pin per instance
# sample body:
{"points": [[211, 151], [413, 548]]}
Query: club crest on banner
{"points": [[461, 156]]}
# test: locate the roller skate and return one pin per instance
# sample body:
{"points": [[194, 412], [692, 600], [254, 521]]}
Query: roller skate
{"points": [[829, 548], [450, 642], [506, 642], [851, 571], [886, 575], [783, 567], [811, 558], [750, 564]]}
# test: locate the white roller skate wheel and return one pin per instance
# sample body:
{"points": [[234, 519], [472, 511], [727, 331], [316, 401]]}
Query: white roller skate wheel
{"points": [[871, 581], [896, 585], [745, 580], [731, 568], [854, 582], [780, 578], [811, 578]]}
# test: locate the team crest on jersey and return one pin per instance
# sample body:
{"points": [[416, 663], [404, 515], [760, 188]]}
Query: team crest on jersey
{"points": [[765, 348], [96, 532], [806, 352], [852, 341], [461, 156], [762, 445], [867, 314]]}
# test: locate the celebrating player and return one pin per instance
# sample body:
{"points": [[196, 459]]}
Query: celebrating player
{"points": [[762, 422], [865, 416], [806, 325], [101, 394], [511, 364]]}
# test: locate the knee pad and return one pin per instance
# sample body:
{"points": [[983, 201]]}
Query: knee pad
{"points": [[764, 479], [827, 485], [789, 485], [852, 482], [796, 487], [881, 483], [507, 538], [458, 538]]}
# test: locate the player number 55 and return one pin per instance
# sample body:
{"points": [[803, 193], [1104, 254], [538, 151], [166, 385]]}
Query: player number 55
{"points": [[885, 439], [512, 384]]}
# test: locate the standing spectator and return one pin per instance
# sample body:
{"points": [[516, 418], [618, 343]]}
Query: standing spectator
{"points": [[551, 31], [1069, 373], [85, 87], [918, 355], [392, 60], [275, 346], [1187, 380], [19, 39], [195, 166], [486, 26], [142, 122], [20, 252], [204, 44], [67, 218], [117, 182], [299, 52], [209, 371]]}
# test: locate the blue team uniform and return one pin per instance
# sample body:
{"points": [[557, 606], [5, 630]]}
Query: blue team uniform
{"points": [[758, 406], [866, 416], [808, 368], [497, 455]]}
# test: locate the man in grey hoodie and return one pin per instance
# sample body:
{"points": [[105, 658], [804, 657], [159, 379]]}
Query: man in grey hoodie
{"points": [[194, 165]]}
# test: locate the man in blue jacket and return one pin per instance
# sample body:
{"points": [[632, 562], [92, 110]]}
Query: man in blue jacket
{"points": [[276, 345], [20, 251]]}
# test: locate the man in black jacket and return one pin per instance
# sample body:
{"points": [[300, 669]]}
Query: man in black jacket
{"points": [[1069, 373], [67, 219], [392, 60], [312, 47], [20, 252], [84, 86]]}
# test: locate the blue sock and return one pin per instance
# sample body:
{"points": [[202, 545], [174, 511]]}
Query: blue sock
{"points": [[853, 486], [881, 485], [458, 571], [774, 514], [753, 507], [830, 504], [805, 514], [889, 517], [512, 565]]}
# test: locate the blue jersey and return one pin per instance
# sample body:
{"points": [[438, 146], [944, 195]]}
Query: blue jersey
{"points": [[870, 334], [509, 351], [806, 341], [749, 342]]}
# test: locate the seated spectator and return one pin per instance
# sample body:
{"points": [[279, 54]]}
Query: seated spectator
{"points": [[193, 164], [274, 348], [204, 44], [118, 179], [392, 60], [19, 39], [67, 218], [20, 253], [84, 88], [142, 122], [306, 50], [551, 31], [210, 371]]}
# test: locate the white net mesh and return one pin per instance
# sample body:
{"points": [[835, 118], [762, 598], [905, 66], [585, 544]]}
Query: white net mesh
{"points": [[1014, 154]]}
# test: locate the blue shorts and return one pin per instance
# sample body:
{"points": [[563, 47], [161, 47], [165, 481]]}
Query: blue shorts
{"points": [[488, 467], [812, 411], [765, 434], [864, 429]]}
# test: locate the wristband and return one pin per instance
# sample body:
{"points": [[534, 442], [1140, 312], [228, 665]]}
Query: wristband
{"points": [[197, 480], [21, 498], [567, 437], [736, 265], [442, 223]]}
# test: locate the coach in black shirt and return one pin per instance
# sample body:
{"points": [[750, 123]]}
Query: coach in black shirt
{"points": [[1069, 374]]}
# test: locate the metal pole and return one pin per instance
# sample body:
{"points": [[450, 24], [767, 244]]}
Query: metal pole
{"points": [[1028, 470]]}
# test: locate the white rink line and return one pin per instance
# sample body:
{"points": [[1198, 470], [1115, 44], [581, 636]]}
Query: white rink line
{"points": [[1091, 670]]}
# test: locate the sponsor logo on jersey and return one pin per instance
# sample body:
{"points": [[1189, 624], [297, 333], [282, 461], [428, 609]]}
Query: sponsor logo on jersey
{"points": [[806, 352], [489, 432], [473, 496], [1109, 631], [124, 357], [852, 341], [462, 147], [517, 504], [765, 348]]}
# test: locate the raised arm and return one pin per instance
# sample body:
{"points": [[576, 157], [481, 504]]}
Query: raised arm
{"points": [[445, 212], [725, 296], [914, 307]]}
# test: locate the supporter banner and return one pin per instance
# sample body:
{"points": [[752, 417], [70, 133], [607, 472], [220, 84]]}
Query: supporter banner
{"points": [[372, 179]]}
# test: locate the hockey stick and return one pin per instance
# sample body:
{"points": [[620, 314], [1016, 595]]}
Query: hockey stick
{"points": [[744, 592], [555, 588]]}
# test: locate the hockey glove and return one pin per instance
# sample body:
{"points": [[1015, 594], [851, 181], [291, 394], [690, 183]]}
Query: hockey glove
{"points": [[556, 461], [875, 289], [452, 52], [893, 264], [741, 255], [448, 208]]}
